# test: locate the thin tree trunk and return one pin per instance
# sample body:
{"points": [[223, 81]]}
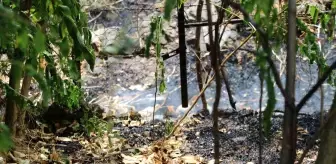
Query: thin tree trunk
{"points": [[214, 44], [326, 154], [15, 75], [12, 109], [198, 55], [22, 112], [288, 151]]}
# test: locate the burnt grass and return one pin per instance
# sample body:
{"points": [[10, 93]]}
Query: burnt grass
{"points": [[239, 137]]}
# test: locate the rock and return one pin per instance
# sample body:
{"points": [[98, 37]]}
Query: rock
{"points": [[106, 35], [197, 134], [163, 40], [146, 133]]}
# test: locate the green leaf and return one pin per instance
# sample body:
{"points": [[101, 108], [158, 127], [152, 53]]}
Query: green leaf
{"points": [[265, 6], [333, 4], [313, 11], [65, 47], [61, 30], [162, 87], [22, 40], [65, 9], [325, 20], [74, 73], [87, 36], [168, 8], [90, 58], [6, 142], [150, 37], [39, 41]]}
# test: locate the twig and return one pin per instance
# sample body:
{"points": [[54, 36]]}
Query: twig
{"points": [[275, 111], [206, 23], [91, 87], [96, 17], [241, 49], [12, 157], [282, 66], [214, 54], [228, 89], [320, 73], [156, 89], [198, 54]]}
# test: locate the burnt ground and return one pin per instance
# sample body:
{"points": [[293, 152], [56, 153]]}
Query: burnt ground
{"points": [[239, 137], [139, 143]]}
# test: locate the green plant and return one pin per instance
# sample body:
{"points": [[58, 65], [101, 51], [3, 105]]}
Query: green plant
{"points": [[169, 126], [97, 125], [54, 31], [155, 34], [6, 143], [67, 94]]}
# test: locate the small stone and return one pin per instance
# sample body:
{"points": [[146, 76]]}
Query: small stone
{"points": [[197, 133], [146, 133]]}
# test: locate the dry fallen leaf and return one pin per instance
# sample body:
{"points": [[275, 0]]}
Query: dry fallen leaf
{"points": [[54, 155], [131, 159], [19, 154], [191, 159], [64, 139], [44, 157]]}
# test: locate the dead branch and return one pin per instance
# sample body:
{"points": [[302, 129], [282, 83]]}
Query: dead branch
{"points": [[228, 89], [206, 23], [198, 55]]}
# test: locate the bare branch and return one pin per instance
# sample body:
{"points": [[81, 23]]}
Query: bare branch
{"points": [[206, 23]]}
